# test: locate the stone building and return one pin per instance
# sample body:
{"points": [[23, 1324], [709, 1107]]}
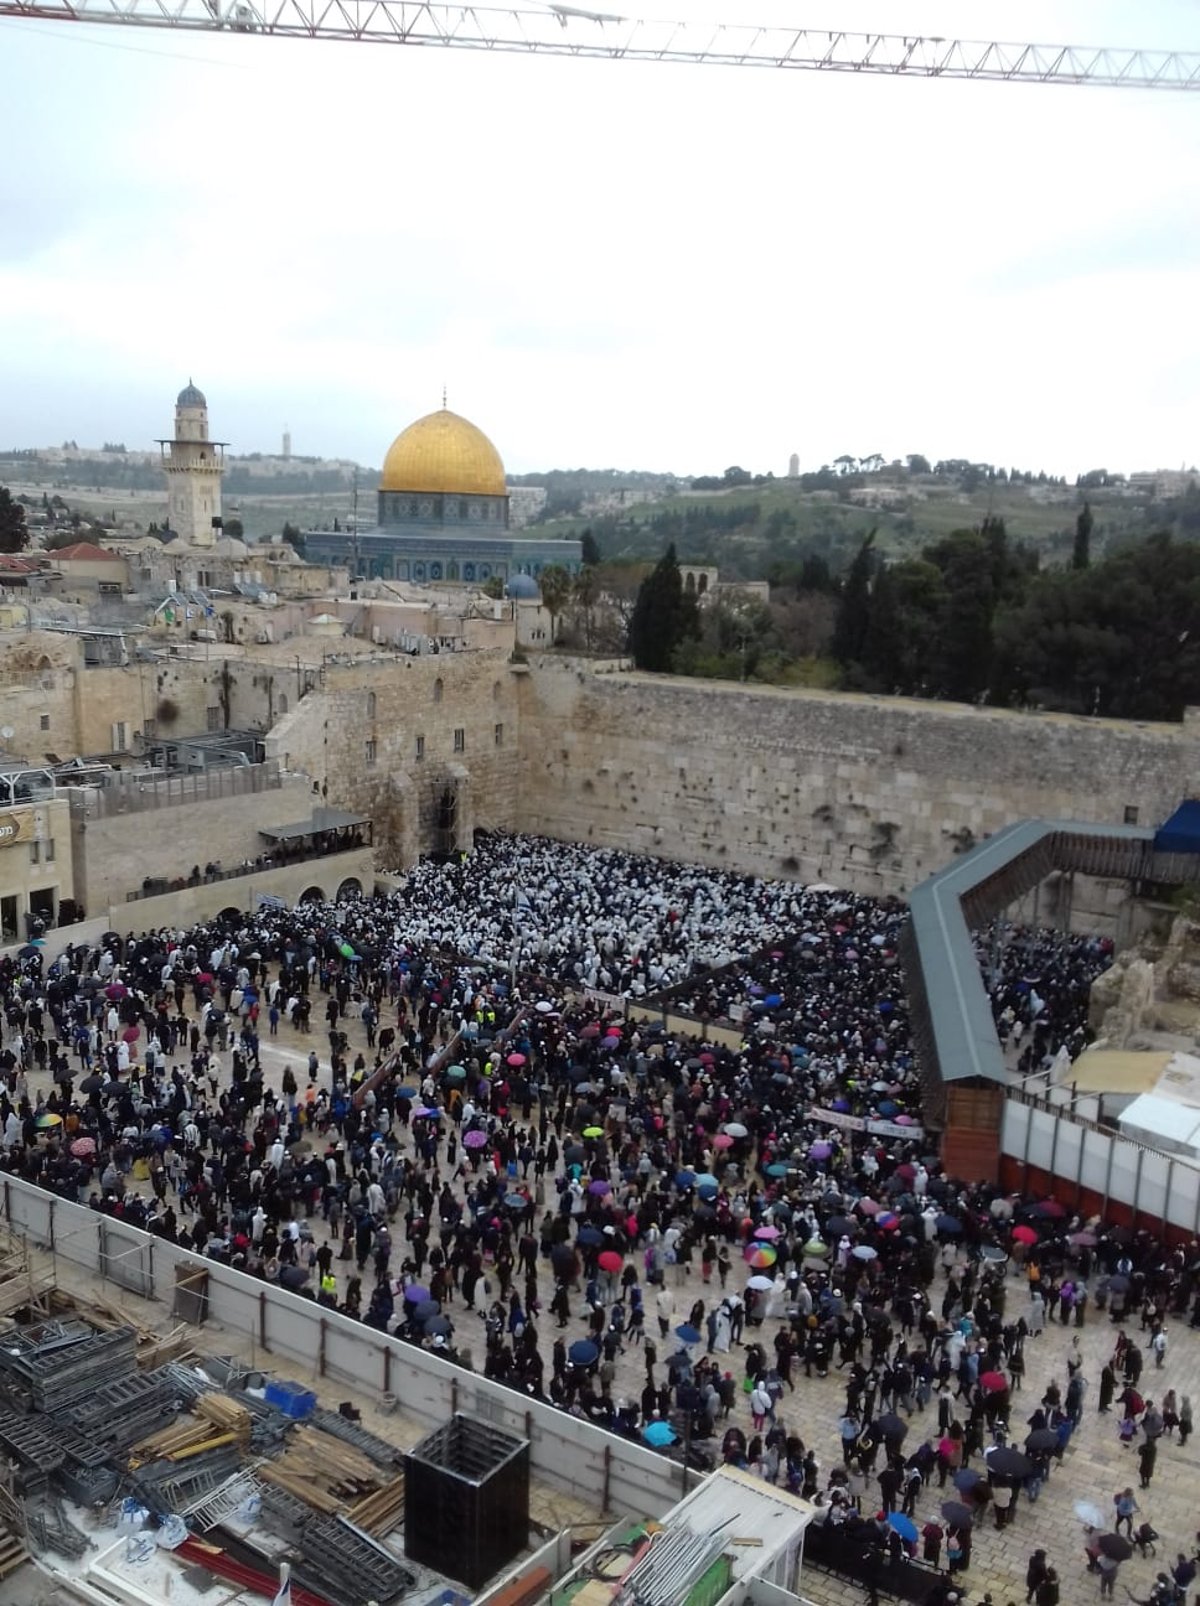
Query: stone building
{"points": [[194, 465], [443, 514]]}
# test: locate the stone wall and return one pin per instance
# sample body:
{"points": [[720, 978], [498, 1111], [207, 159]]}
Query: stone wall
{"points": [[357, 738], [873, 793], [290, 882], [114, 854]]}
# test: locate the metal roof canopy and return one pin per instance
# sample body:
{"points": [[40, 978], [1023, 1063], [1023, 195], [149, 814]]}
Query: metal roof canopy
{"points": [[322, 820], [953, 1026]]}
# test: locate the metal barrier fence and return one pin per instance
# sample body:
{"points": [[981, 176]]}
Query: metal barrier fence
{"points": [[309, 1341]]}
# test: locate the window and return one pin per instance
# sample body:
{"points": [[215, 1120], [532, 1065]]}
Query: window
{"points": [[370, 705], [212, 718], [1131, 814], [420, 747], [460, 740], [120, 736], [150, 729], [45, 722], [498, 733], [35, 853], [438, 690], [371, 750], [48, 851]]}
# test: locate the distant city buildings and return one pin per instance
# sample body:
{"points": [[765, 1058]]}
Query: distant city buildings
{"points": [[194, 465], [794, 466]]}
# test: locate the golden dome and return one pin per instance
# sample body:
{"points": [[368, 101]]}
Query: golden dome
{"points": [[443, 453]]}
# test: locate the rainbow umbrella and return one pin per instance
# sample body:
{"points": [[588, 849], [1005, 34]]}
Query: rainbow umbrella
{"points": [[45, 1122], [760, 1256]]}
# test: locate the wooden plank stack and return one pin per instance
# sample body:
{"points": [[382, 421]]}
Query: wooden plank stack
{"points": [[382, 1511], [326, 1473]]}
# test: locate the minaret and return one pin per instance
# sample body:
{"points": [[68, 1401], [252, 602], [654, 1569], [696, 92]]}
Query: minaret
{"points": [[194, 466]]}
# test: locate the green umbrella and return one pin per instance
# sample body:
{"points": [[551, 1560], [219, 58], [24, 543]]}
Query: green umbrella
{"points": [[456, 1073]]}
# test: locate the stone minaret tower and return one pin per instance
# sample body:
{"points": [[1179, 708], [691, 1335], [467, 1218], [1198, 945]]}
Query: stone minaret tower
{"points": [[194, 466]]}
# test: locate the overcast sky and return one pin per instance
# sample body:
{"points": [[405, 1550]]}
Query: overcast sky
{"points": [[651, 266]]}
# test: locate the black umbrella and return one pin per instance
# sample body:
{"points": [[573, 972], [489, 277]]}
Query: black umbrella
{"points": [[840, 1224], [1042, 1439], [966, 1478], [1009, 1463], [91, 1084], [948, 1224], [1115, 1546], [562, 1257], [891, 1427], [293, 1277], [956, 1514], [1118, 1284]]}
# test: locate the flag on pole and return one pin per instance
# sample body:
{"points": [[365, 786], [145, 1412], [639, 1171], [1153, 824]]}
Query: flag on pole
{"points": [[283, 1596]]}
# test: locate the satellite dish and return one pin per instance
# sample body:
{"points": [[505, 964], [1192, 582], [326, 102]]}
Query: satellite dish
{"points": [[7, 733]]}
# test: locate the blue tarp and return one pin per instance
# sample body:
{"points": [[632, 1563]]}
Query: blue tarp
{"points": [[1181, 833]]}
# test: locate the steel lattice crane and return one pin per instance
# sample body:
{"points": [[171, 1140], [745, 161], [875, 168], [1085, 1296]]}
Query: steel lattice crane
{"points": [[561, 30]]}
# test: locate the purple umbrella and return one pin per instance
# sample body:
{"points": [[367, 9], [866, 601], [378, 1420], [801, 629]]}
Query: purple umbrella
{"points": [[820, 1150], [474, 1139], [428, 1113], [416, 1294], [599, 1187]]}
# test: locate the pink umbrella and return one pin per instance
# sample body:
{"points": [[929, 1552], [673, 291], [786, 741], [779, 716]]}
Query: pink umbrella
{"points": [[591, 1030], [515, 1059], [115, 989], [722, 1141], [906, 1120], [474, 1139], [868, 1207], [83, 1147], [769, 1233]]}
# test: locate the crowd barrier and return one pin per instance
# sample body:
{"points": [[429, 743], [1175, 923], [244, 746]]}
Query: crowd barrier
{"points": [[304, 1340]]}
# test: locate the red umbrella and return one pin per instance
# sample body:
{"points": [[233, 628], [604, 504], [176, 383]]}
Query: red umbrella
{"points": [[591, 1030], [722, 1141], [613, 1031], [993, 1382], [132, 1033], [515, 1059], [609, 1261], [1025, 1235]]}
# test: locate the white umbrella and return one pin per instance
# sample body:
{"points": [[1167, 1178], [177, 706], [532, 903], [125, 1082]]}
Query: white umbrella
{"points": [[735, 1129], [1090, 1515], [760, 1284]]}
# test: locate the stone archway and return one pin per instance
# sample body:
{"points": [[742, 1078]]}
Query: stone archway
{"points": [[351, 887], [312, 895], [232, 912]]}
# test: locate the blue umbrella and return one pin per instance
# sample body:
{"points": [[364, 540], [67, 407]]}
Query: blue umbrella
{"points": [[583, 1352], [777, 1169], [658, 1434], [707, 1184], [687, 1333], [515, 1201], [684, 1179], [428, 1113], [949, 1224], [591, 1236], [426, 1309], [773, 1000], [888, 1107], [406, 1092], [904, 1526], [437, 1326]]}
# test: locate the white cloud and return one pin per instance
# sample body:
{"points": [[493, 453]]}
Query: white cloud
{"points": [[634, 265]]}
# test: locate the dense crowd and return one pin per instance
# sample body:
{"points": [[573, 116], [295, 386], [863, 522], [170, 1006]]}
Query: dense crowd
{"points": [[463, 1150]]}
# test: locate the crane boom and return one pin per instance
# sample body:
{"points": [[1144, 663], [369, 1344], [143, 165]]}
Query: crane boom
{"points": [[562, 30]]}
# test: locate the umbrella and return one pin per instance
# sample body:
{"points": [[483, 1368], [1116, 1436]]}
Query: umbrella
{"points": [[544, 1006], [1119, 1284], [904, 1526], [1047, 1439], [610, 1260], [515, 1060], [1083, 1240], [707, 1184], [406, 1092], [684, 1179], [948, 1224], [760, 1284], [593, 1131], [816, 1247], [892, 1427], [1115, 1546], [600, 1187], [582, 1352], [437, 1327], [840, 1225], [1051, 1208], [1009, 1463], [131, 1034], [993, 1382], [515, 1201], [865, 1252], [45, 1122], [658, 1434], [427, 1113], [91, 1084], [1024, 1235], [425, 1309], [769, 1233], [760, 1255], [591, 1030], [292, 1277], [993, 1253], [416, 1294], [687, 1334], [966, 1478], [114, 989], [956, 1514], [778, 1169], [888, 1220], [83, 1147], [456, 1073], [868, 1207], [1087, 1511], [821, 1150], [562, 1257], [735, 1129], [722, 1141], [590, 1236], [474, 1139]]}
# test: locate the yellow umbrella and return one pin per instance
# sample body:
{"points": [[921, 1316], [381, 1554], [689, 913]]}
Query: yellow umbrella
{"points": [[593, 1131]]}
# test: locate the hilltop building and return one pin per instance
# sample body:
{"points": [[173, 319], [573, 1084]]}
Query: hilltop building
{"points": [[194, 465], [443, 514]]}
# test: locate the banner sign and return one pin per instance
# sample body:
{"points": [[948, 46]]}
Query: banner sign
{"points": [[17, 825], [858, 1123]]}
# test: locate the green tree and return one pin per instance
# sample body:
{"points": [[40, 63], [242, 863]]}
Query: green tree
{"points": [[493, 587], [234, 528], [663, 617], [854, 608], [1081, 553], [961, 661], [554, 582], [585, 594], [294, 538], [589, 549], [14, 536]]}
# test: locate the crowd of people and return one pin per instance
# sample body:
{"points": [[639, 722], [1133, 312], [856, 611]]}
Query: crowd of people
{"points": [[457, 1145]]}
